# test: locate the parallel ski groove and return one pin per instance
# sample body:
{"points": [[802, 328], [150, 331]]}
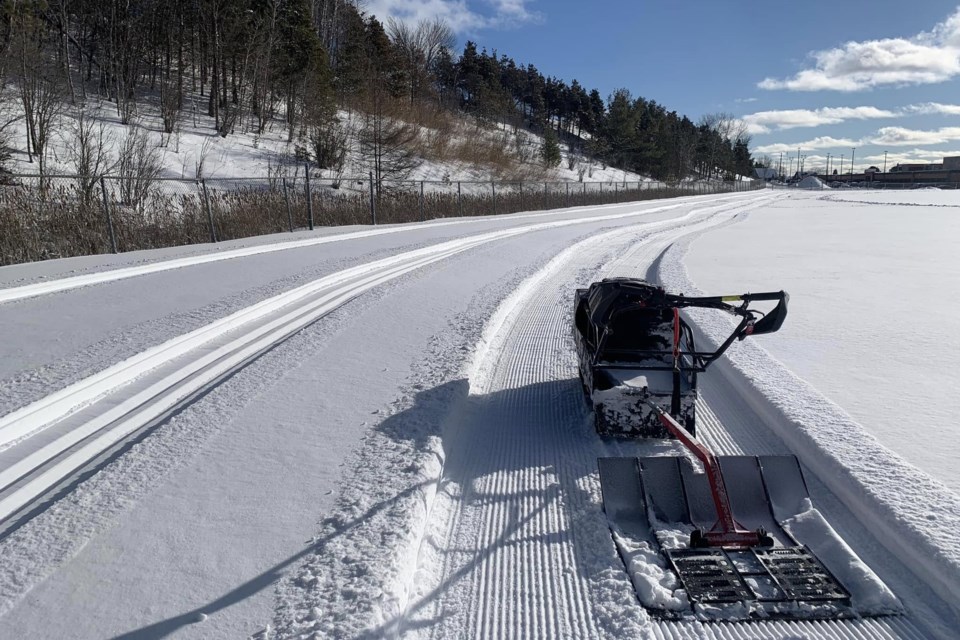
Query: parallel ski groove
{"points": [[531, 461], [526, 585], [264, 324], [525, 449], [9, 294]]}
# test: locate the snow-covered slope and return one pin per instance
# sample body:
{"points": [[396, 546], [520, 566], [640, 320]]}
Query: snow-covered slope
{"points": [[414, 391], [196, 148]]}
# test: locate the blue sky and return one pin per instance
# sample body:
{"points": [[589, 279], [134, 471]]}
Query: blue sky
{"points": [[825, 75]]}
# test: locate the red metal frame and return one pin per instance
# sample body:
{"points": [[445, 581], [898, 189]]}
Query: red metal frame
{"points": [[727, 532]]}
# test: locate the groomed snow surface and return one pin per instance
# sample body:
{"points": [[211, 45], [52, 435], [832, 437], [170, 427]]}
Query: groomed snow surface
{"points": [[380, 432]]}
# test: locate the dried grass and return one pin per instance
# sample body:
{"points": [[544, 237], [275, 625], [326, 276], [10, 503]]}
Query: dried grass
{"points": [[53, 219]]}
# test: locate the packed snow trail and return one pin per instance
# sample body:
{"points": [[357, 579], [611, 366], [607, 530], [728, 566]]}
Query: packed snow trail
{"points": [[314, 599], [99, 325], [57, 285], [517, 546], [130, 507], [520, 478], [91, 432]]}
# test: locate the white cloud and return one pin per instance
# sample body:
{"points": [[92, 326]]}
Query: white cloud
{"points": [[878, 160], [926, 58], [457, 13], [903, 137], [767, 121], [934, 108], [884, 137], [823, 142]]}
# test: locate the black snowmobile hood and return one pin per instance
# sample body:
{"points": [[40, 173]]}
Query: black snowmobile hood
{"points": [[611, 294]]}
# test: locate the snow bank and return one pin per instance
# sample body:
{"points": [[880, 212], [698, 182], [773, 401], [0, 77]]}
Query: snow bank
{"points": [[910, 513], [812, 182], [868, 594]]}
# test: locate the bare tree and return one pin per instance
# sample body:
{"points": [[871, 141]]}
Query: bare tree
{"points": [[420, 46], [386, 141], [728, 130], [88, 146], [201, 159], [41, 92], [61, 16], [138, 166]]}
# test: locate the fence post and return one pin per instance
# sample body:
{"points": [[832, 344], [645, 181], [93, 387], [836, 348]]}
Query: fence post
{"points": [[421, 201], [521, 196], [206, 202], [106, 212], [616, 192], [584, 190], [373, 206], [309, 194], [545, 205], [286, 198], [493, 186], [568, 194], [459, 200]]}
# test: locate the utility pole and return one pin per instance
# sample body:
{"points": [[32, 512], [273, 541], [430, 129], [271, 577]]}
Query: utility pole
{"points": [[853, 154], [841, 164], [884, 161], [798, 160], [828, 164], [780, 170]]}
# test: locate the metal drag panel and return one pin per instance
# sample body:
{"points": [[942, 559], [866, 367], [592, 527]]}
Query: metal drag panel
{"points": [[623, 499], [641, 494]]}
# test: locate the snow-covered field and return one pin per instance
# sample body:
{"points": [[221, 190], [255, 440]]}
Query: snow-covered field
{"points": [[874, 278], [356, 434]]}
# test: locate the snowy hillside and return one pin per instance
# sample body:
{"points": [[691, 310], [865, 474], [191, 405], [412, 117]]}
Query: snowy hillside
{"points": [[379, 432], [463, 150]]}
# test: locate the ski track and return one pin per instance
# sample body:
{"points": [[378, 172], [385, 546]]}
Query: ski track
{"points": [[227, 352], [10, 294], [209, 356], [513, 563], [514, 542], [516, 550]]}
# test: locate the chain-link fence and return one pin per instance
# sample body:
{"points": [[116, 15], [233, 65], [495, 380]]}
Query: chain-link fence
{"points": [[62, 216]]}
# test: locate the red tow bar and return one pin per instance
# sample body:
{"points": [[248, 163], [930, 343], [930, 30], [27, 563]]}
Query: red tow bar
{"points": [[727, 532]]}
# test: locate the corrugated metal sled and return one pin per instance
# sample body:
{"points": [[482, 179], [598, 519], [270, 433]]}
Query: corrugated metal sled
{"points": [[644, 495]]}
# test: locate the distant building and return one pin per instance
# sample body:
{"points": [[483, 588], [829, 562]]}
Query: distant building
{"points": [[918, 166], [872, 170], [764, 173], [952, 163]]}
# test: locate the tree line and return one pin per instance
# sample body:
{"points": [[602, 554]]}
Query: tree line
{"points": [[248, 64]]}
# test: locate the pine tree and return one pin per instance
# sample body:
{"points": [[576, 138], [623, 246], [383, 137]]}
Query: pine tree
{"points": [[550, 152]]}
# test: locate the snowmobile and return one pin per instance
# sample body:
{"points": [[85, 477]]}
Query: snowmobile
{"points": [[634, 347], [717, 530]]}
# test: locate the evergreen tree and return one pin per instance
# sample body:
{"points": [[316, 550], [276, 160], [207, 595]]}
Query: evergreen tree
{"points": [[550, 152], [742, 163], [300, 65]]}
